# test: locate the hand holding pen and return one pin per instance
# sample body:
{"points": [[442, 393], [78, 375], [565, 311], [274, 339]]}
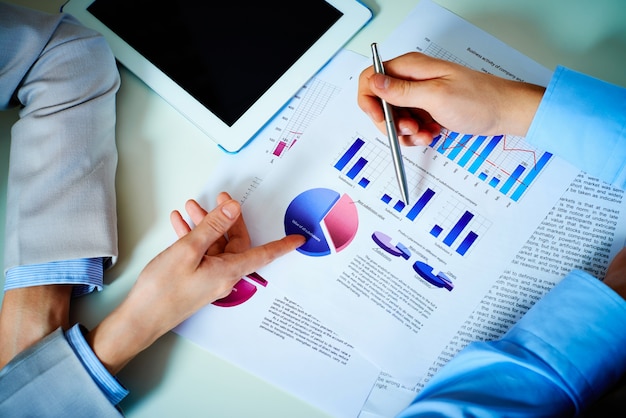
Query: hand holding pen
{"points": [[429, 93]]}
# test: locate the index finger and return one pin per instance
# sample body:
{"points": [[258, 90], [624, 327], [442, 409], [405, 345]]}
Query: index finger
{"points": [[252, 259]]}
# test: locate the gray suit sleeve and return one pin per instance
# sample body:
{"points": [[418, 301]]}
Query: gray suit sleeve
{"points": [[61, 196], [48, 380]]}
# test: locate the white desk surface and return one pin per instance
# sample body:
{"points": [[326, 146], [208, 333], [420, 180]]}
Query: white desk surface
{"points": [[164, 160]]}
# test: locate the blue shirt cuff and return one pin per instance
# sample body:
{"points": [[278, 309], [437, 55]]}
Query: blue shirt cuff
{"points": [[577, 113], [109, 385], [86, 274]]}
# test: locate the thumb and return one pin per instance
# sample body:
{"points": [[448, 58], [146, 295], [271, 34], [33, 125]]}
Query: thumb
{"points": [[213, 226], [396, 91]]}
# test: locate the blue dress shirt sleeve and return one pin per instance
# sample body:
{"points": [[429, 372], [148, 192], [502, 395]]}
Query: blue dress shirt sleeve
{"points": [[568, 349], [109, 385], [85, 274], [564, 353], [48, 380], [583, 120]]}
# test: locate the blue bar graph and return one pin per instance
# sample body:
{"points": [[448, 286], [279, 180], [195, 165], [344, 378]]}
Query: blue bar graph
{"points": [[386, 198], [472, 150], [399, 206], [436, 231], [484, 154], [500, 161], [356, 168], [531, 176], [419, 205], [458, 228], [506, 187], [467, 243], [448, 142], [435, 140], [456, 231], [459, 147], [349, 154]]}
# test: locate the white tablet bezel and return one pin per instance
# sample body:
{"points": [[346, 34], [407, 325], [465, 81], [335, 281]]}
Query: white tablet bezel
{"points": [[233, 138]]}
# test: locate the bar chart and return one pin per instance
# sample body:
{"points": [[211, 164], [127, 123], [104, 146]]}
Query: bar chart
{"points": [[305, 106], [506, 163], [361, 162], [445, 218], [399, 206], [452, 223]]}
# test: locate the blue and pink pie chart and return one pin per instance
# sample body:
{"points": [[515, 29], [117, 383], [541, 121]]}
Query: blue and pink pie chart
{"points": [[328, 219]]}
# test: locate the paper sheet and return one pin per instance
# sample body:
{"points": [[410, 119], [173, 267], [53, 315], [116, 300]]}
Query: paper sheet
{"points": [[588, 207], [263, 330], [399, 282]]}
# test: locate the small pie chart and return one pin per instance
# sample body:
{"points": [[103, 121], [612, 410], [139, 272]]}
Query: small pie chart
{"points": [[384, 241], [327, 219], [426, 272]]}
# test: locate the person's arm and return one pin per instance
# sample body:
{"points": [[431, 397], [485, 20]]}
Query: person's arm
{"points": [[61, 182], [428, 94], [199, 268], [61, 219], [583, 120], [560, 357], [579, 118], [48, 379]]}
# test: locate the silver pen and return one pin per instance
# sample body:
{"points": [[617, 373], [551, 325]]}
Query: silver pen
{"points": [[392, 134]]}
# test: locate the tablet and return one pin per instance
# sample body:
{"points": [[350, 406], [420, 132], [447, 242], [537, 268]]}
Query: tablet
{"points": [[228, 66]]}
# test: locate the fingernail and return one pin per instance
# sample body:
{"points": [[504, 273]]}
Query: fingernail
{"points": [[230, 210], [405, 131], [381, 81]]}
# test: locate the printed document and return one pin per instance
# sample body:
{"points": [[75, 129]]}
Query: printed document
{"points": [[396, 278], [384, 292]]}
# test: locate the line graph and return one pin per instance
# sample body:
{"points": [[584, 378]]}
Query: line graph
{"points": [[506, 163]]}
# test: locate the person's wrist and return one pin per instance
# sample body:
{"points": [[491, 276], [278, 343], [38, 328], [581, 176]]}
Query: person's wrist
{"points": [[122, 335], [28, 314], [520, 103], [131, 328]]}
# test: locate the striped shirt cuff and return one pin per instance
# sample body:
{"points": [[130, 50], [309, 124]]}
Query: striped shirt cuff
{"points": [[85, 274], [109, 385]]}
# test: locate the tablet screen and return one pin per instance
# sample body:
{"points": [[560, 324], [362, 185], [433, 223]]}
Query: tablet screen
{"points": [[226, 55]]}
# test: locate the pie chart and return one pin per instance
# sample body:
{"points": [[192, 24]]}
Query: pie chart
{"points": [[384, 241], [243, 290], [426, 272], [327, 219]]}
